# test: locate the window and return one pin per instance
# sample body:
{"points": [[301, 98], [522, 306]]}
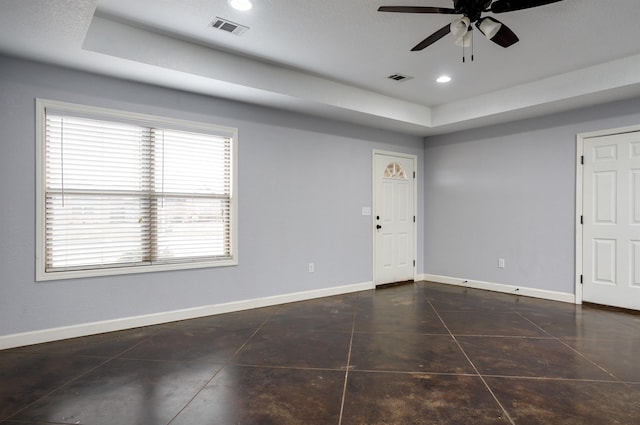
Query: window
{"points": [[127, 193], [395, 171]]}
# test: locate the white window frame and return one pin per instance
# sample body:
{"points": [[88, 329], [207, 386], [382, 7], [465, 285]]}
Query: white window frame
{"points": [[127, 117]]}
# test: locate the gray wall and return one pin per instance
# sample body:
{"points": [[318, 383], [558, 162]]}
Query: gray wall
{"points": [[502, 191], [508, 191], [302, 184]]}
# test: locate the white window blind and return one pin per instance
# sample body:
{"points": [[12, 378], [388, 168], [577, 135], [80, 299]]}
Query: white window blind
{"points": [[122, 195]]}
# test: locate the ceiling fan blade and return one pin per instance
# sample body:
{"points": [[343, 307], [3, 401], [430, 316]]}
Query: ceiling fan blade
{"points": [[417, 9], [432, 38], [501, 6]]}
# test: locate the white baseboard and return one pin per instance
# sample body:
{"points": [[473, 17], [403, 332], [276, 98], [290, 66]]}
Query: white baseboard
{"points": [[55, 334], [499, 287]]}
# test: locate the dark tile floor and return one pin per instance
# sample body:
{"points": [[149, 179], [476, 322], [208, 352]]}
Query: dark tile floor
{"points": [[420, 353]]}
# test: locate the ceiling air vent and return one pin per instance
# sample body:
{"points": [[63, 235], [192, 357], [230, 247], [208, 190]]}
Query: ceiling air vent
{"points": [[228, 26], [399, 77]]}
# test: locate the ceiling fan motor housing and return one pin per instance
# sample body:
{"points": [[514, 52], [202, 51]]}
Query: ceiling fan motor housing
{"points": [[471, 8]]}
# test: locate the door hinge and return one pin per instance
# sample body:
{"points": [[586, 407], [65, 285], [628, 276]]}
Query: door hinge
{"points": [[414, 263], [581, 219], [414, 174], [414, 218], [581, 279], [582, 160]]}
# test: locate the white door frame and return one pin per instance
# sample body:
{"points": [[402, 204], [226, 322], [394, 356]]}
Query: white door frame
{"points": [[414, 158], [580, 138]]}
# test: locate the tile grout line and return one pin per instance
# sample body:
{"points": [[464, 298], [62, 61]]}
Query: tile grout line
{"points": [[346, 372], [227, 363], [574, 350], [61, 386], [556, 379], [486, 384], [268, 366], [75, 378], [69, 381]]}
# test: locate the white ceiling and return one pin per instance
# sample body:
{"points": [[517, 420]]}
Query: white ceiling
{"points": [[332, 57]]}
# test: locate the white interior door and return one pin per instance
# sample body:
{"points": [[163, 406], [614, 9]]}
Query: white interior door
{"points": [[394, 218], [611, 221]]}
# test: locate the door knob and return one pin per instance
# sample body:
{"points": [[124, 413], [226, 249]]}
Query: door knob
{"points": [[378, 227]]}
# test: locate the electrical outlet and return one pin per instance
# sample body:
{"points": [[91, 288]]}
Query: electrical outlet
{"points": [[501, 263], [312, 267]]}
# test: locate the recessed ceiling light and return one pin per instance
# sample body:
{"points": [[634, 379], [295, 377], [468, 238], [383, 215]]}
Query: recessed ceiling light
{"points": [[443, 79], [241, 4]]}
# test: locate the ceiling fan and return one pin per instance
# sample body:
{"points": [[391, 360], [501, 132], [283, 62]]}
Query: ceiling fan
{"points": [[471, 11]]}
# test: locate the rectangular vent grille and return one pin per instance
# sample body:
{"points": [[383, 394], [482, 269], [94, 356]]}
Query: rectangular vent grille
{"points": [[399, 77], [228, 26]]}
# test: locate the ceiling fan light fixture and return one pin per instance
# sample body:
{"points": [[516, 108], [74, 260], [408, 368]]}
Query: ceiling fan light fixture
{"points": [[460, 30], [464, 41], [242, 5], [496, 31], [459, 27], [489, 27]]}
